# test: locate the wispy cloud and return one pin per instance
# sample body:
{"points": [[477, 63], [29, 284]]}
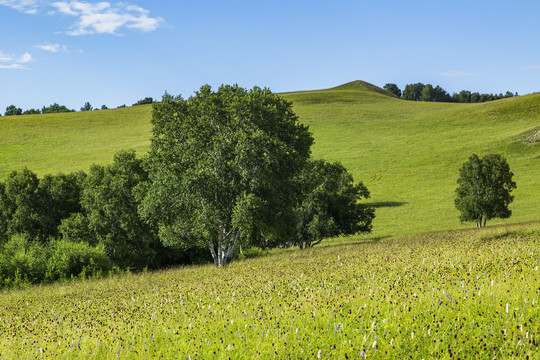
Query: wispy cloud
{"points": [[104, 18], [54, 48], [532, 67], [25, 6], [457, 73], [12, 62]]}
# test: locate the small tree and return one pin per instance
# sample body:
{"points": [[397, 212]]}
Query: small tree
{"points": [[329, 206], [393, 89], [145, 101], [13, 110], [87, 107], [413, 91], [484, 189]]}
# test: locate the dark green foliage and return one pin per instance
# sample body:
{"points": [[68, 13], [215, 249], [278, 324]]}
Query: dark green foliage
{"points": [[23, 261], [35, 207], [222, 167], [330, 204], [55, 108], [393, 89], [32, 112], [22, 204], [484, 189], [145, 101], [104, 107], [59, 197], [13, 110], [421, 92], [413, 91], [111, 211], [5, 213], [87, 107]]}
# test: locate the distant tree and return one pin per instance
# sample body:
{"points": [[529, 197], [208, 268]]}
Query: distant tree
{"points": [[87, 107], [464, 96], [227, 162], [393, 89], [413, 91], [145, 101], [121, 106], [428, 93], [104, 107], [13, 110], [484, 189], [55, 108], [475, 97], [330, 204], [508, 94], [32, 112]]}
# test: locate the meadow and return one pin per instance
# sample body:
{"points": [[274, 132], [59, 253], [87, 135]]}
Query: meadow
{"points": [[411, 289], [407, 153], [445, 295]]}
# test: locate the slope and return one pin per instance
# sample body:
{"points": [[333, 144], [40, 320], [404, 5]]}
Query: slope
{"points": [[407, 153]]}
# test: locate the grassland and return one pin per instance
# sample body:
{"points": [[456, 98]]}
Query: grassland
{"points": [[465, 294], [407, 153]]}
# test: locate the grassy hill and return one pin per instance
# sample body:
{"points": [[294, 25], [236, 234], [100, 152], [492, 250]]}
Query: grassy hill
{"points": [[407, 153]]}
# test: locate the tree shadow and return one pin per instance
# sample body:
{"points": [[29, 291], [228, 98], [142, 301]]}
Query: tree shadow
{"points": [[384, 204]]}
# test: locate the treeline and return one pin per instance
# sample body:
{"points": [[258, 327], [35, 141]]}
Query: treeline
{"points": [[89, 224], [79, 225], [56, 108], [427, 92]]}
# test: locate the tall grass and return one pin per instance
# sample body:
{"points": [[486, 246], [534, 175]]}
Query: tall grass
{"points": [[462, 294]]}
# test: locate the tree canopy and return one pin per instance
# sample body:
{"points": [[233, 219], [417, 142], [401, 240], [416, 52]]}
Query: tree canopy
{"points": [[329, 205], [484, 189], [222, 168]]}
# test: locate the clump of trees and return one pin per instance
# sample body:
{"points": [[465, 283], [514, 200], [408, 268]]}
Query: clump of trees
{"points": [[145, 101], [226, 169], [428, 92], [484, 189]]}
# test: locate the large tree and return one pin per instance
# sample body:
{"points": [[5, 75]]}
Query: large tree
{"points": [[222, 168], [484, 189]]}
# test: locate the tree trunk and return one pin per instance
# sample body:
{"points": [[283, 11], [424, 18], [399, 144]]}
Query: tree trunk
{"points": [[223, 251]]}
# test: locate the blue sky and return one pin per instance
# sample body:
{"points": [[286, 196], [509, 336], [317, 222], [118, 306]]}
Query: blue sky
{"points": [[114, 53]]}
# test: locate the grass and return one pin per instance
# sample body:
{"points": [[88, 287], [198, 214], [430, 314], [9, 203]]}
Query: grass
{"points": [[463, 294], [67, 142], [407, 153]]}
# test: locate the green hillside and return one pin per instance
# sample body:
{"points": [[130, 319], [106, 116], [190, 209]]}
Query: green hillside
{"points": [[407, 153]]}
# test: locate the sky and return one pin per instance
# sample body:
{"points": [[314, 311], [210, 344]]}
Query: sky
{"points": [[115, 53]]}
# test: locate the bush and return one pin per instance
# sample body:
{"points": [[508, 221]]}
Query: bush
{"points": [[23, 261], [69, 259]]}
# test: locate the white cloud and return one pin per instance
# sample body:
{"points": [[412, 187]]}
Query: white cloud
{"points": [[25, 6], [11, 62], [54, 48], [457, 73], [104, 18]]}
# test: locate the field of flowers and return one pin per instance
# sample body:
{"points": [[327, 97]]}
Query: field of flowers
{"points": [[461, 294]]}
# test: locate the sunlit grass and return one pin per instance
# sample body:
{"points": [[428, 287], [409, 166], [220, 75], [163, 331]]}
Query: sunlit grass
{"points": [[407, 153], [462, 294]]}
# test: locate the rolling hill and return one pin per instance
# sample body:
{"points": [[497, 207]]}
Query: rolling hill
{"points": [[407, 153]]}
